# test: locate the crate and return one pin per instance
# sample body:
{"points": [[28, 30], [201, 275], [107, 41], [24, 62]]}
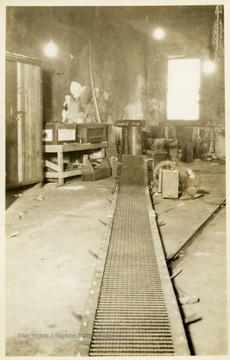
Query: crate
{"points": [[57, 133], [170, 184], [92, 133]]}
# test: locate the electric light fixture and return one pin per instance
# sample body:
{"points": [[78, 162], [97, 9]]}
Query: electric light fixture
{"points": [[51, 49], [159, 33], [209, 67]]}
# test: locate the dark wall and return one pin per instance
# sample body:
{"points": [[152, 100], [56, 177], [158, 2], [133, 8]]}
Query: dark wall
{"points": [[118, 54]]}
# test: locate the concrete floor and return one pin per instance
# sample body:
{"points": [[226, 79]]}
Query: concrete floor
{"points": [[203, 264], [51, 235]]}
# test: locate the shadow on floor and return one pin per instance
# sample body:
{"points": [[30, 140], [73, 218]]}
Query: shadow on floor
{"points": [[13, 194]]}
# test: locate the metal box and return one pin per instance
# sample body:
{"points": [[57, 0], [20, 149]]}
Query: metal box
{"points": [[92, 133], [159, 146], [170, 184], [58, 133]]}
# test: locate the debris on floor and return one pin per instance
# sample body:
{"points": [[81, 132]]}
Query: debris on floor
{"points": [[93, 254], [104, 223], [39, 198], [192, 318], [77, 316], [174, 207], [190, 173], [15, 233], [175, 274], [18, 195], [20, 214]]}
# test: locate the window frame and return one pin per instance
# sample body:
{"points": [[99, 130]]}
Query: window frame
{"points": [[183, 120]]}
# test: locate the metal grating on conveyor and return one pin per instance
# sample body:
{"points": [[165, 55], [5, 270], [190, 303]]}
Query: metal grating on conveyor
{"points": [[132, 314]]}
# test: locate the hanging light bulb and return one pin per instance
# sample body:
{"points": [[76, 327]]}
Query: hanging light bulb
{"points": [[209, 67], [51, 49], [159, 33]]}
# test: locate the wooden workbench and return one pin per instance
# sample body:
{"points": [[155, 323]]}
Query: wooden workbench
{"points": [[58, 169]]}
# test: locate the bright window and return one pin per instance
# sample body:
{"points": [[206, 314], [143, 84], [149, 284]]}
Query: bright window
{"points": [[183, 89]]}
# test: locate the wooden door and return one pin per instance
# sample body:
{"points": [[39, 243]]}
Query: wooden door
{"points": [[29, 123], [23, 123]]}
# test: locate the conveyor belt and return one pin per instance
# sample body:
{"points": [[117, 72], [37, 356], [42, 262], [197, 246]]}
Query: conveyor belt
{"points": [[135, 311]]}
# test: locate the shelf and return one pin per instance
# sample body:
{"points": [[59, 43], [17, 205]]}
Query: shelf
{"points": [[73, 147], [62, 175]]}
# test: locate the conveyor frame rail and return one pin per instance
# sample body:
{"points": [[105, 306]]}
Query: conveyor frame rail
{"points": [[132, 309]]}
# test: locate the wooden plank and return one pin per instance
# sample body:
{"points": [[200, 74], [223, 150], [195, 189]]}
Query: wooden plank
{"points": [[52, 166], [11, 130], [52, 175], [62, 175], [70, 173], [27, 91], [39, 150], [37, 146], [73, 147], [60, 161], [22, 58], [20, 109], [83, 146], [34, 120]]}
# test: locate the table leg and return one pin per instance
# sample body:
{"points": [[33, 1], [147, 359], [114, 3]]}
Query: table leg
{"points": [[61, 167]]}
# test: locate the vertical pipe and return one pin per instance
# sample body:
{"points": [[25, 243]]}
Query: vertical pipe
{"points": [[98, 117], [124, 140], [134, 140]]}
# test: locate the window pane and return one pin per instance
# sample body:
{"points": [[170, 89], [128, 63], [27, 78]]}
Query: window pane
{"points": [[183, 89]]}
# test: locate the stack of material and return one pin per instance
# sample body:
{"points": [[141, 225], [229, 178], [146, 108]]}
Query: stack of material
{"points": [[91, 173]]}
